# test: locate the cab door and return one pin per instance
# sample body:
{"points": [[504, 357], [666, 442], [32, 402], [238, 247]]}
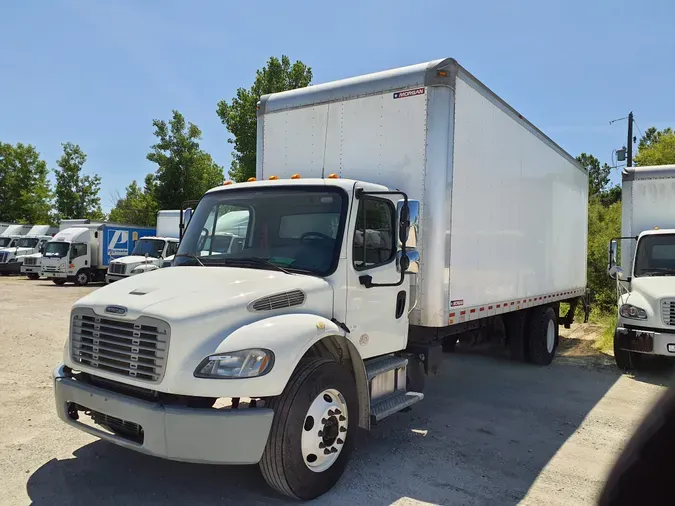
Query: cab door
{"points": [[377, 316]]}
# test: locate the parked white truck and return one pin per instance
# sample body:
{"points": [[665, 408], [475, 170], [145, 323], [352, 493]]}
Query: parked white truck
{"points": [[13, 257], [11, 234], [81, 253], [399, 210], [646, 275], [151, 252]]}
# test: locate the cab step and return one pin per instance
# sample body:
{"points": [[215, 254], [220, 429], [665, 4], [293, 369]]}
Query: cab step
{"points": [[393, 404], [387, 381]]}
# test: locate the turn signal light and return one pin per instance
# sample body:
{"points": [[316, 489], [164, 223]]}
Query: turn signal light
{"points": [[227, 183], [295, 176], [333, 176], [251, 179], [273, 178]]}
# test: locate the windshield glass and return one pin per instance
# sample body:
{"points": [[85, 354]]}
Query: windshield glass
{"points": [[655, 256], [56, 249], [296, 229], [27, 243], [5, 242], [150, 247]]}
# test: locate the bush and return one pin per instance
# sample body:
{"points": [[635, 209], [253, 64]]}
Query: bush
{"points": [[604, 223]]}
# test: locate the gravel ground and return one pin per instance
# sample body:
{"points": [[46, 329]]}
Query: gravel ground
{"points": [[488, 432]]}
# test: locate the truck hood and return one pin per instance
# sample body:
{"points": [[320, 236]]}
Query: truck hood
{"points": [[179, 294], [18, 252], [654, 288], [136, 259]]}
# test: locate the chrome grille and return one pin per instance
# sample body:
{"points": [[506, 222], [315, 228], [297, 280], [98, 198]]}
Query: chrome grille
{"points": [[132, 348], [3, 257], [116, 268], [30, 261], [278, 301], [49, 268], [668, 311]]}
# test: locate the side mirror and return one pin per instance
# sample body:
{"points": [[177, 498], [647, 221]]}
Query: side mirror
{"points": [[611, 261], [410, 219], [410, 263], [615, 272]]}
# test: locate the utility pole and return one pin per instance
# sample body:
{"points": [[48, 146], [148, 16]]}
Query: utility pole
{"points": [[629, 146]]}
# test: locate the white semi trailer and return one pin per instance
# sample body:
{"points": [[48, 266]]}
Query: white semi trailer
{"points": [[646, 276], [392, 213]]}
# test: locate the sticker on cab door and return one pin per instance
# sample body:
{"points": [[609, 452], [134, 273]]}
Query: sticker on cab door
{"points": [[457, 303], [409, 93]]}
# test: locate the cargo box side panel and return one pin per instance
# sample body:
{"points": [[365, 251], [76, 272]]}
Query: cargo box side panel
{"points": [[519, 209]]}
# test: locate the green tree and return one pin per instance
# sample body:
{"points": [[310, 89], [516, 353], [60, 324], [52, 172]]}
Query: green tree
{"points": [[138, 206], [604, 223], [25, 194], [185, 172], [598, 176], [656, 148], [239, 116], [77, 195]]}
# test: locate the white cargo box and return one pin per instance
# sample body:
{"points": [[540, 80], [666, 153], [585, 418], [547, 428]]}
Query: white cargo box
{"points": [[503, 209]]}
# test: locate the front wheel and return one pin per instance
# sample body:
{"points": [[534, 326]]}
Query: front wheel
{"points": [[82, 278], [59, 282], [313, 431], [32, 276], [626, 360], [542, 336]]}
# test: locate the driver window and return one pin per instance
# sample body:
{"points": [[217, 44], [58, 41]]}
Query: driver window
{"points": [[374, 233], [78, 250], [171, 249]]}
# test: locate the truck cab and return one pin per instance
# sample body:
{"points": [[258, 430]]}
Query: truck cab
{"points": [[68, 256], [150, 253], [21, 247]]}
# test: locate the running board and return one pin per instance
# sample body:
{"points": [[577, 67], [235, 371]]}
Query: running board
{"points": [[393, 404]]}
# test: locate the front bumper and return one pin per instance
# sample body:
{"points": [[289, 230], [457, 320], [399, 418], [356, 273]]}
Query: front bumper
{"points": [[212, 436], [110, 278], [648, 341], [53, 275], [30, 269], [10, 268]]}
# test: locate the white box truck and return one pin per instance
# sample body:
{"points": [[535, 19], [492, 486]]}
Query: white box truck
{"points": [[150, 252], [81, 253], [12, 233], [399, 210], [12, 258], [646, 275]]}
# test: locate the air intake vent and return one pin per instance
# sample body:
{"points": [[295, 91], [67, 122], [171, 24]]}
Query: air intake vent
{"points": [[279, 301]]}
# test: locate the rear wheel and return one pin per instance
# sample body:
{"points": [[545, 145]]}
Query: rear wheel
{"points": [[313, 431], [542, 336], [59, 282], [82, 278], [33, 276]]}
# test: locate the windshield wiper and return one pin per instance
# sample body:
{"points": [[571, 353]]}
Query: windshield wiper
{"points": [[190, 255], [256, 261]]}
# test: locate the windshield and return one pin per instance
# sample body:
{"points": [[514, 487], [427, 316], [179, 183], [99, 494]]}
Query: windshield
{"points": [[56, 249], [295, 229], [150, 247], [27, 243], [5, 242], [655, 256]]}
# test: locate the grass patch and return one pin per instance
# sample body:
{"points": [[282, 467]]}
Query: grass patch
{"points": [[605, 343]]}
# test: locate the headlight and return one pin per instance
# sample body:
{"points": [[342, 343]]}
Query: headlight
{"points": [[634, 312], [137, 270], [236, 364]]}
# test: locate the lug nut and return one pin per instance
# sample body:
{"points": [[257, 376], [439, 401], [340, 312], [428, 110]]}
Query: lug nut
{"points": [[326, 451], [342, 429], [321, 445], [340, 441], [342, 418], [330, 412], [333, 450], [320, 433], [338, 412], [324, 421]]}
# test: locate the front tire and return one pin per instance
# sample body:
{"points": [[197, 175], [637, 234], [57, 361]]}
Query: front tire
{"points": [[59, 282], [33, 276], [626, 360], [542, 336], [82, 278], [313, 431]]}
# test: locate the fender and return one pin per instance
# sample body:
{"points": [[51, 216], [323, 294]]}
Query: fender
{"points": [[288, 336]]}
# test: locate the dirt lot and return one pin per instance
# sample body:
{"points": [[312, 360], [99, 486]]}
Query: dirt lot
{"points": [[488, 432]]}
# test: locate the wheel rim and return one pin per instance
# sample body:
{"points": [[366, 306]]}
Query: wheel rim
{"points": [[324, 430], [550, 336], [82, 278]]}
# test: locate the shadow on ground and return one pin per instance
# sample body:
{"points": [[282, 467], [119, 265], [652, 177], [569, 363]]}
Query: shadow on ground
{"points": [[483, 434]]}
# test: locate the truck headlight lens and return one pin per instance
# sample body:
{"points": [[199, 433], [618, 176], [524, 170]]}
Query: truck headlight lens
{"points": [[634, 312], [236, 364]]}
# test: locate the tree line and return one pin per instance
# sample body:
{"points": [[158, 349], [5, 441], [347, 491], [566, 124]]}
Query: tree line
{"points": [[184, 171]]}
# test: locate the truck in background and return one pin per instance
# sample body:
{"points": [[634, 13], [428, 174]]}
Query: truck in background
{"points": [[150, 252], [11, 234], [82, 253], [427, 211], [12, 257], [646, 274]]}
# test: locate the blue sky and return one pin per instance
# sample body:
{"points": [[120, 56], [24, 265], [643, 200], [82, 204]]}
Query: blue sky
{"points": [[98, 73]]}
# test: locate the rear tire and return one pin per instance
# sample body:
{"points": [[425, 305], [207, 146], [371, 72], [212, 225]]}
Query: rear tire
{"points": [[33, 276], [542, 335], [59, 282], [82, 278], [289, 464]]}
